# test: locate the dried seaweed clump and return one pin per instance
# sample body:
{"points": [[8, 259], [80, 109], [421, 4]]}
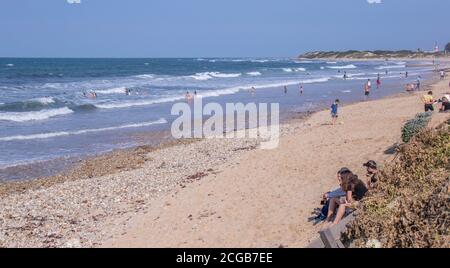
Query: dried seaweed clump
{"points": [[410, 207]]}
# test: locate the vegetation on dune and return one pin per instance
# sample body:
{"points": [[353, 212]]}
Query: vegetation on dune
{"points": [[447, 48], [414, 126], [355, 54], [410, 206]]}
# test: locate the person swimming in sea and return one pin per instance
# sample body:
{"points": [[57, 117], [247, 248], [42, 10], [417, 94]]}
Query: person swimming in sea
{"points": [[189, 96]]}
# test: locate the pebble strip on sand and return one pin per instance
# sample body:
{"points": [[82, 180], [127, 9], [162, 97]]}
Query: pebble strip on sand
{"points": [[76, 213]]}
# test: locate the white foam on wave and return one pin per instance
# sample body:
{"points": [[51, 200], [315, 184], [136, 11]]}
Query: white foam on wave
{"points": [[346, 91], [117, 90], [259, 61], [350, 66], [254, 73], [145, 76], [209, 75], [10, 65], [387, 67], [305, 61], [45, 100], [331, 62], [79, 132], [290, 70], [34, 116], [117, 105]]}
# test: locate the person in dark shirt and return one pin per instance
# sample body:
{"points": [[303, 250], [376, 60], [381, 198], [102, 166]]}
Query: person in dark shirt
{"points": [[372, 173], [445, 104], [355, 189]]}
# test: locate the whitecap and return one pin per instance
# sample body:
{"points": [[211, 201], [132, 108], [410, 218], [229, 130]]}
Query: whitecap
{"points": [[254, 73], [350, 66], [117, 90], [45, 100], [34, 116], [79, 132]]}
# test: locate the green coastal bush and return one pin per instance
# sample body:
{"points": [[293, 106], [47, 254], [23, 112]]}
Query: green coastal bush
{"points": [[414, 126], [409, 206]]}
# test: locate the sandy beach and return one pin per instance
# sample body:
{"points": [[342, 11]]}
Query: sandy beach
{"points": [[210, 193]]}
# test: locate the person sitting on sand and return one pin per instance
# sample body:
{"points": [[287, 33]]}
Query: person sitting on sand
{"points": [[355, 191], [409, 88], [337, 193], [445, 104], [372, 173], [334, 111], [428, 101]]}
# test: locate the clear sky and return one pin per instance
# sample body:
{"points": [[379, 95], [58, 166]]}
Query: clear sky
{"points": [[216, 28]]}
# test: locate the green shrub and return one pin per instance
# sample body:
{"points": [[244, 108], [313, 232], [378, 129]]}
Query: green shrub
{"points": [[414, 126]]}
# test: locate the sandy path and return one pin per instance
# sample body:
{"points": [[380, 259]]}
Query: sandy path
{"points": [[265, 200]]}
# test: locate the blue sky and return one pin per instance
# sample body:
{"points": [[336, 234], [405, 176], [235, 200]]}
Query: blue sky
{"points": [[213, 28]]}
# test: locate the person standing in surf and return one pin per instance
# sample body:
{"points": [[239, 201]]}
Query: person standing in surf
{"points": [[367, 91], [285, 90], [378, 81]]}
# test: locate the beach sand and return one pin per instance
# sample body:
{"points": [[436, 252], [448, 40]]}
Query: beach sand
{"points": [[213, 193]]}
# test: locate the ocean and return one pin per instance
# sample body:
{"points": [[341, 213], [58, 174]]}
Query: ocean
{"points": [[46, 111]]}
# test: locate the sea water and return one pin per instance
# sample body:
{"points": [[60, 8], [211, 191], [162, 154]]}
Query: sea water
{"points": [[46, 109]]}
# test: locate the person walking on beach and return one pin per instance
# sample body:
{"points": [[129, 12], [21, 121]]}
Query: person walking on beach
{"points": [[418, 83], [442, 74], [301, 89], [428, 101], [406, 75], [334, 111], [285, 90]]}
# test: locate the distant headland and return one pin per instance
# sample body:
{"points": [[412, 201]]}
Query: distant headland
{"points": [[377, 54]]}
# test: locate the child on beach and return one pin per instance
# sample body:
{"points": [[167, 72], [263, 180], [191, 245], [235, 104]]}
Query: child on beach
{"points": [[334, 111]]}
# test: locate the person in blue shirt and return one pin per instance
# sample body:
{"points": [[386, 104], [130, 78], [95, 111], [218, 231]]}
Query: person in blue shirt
{"points": [[334, 111]]}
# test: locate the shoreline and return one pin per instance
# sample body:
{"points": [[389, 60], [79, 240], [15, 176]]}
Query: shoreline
{"points": [[159, 175], [117, 160]]}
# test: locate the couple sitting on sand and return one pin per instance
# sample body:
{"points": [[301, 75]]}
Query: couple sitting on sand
{"points": [[344, 200]]}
